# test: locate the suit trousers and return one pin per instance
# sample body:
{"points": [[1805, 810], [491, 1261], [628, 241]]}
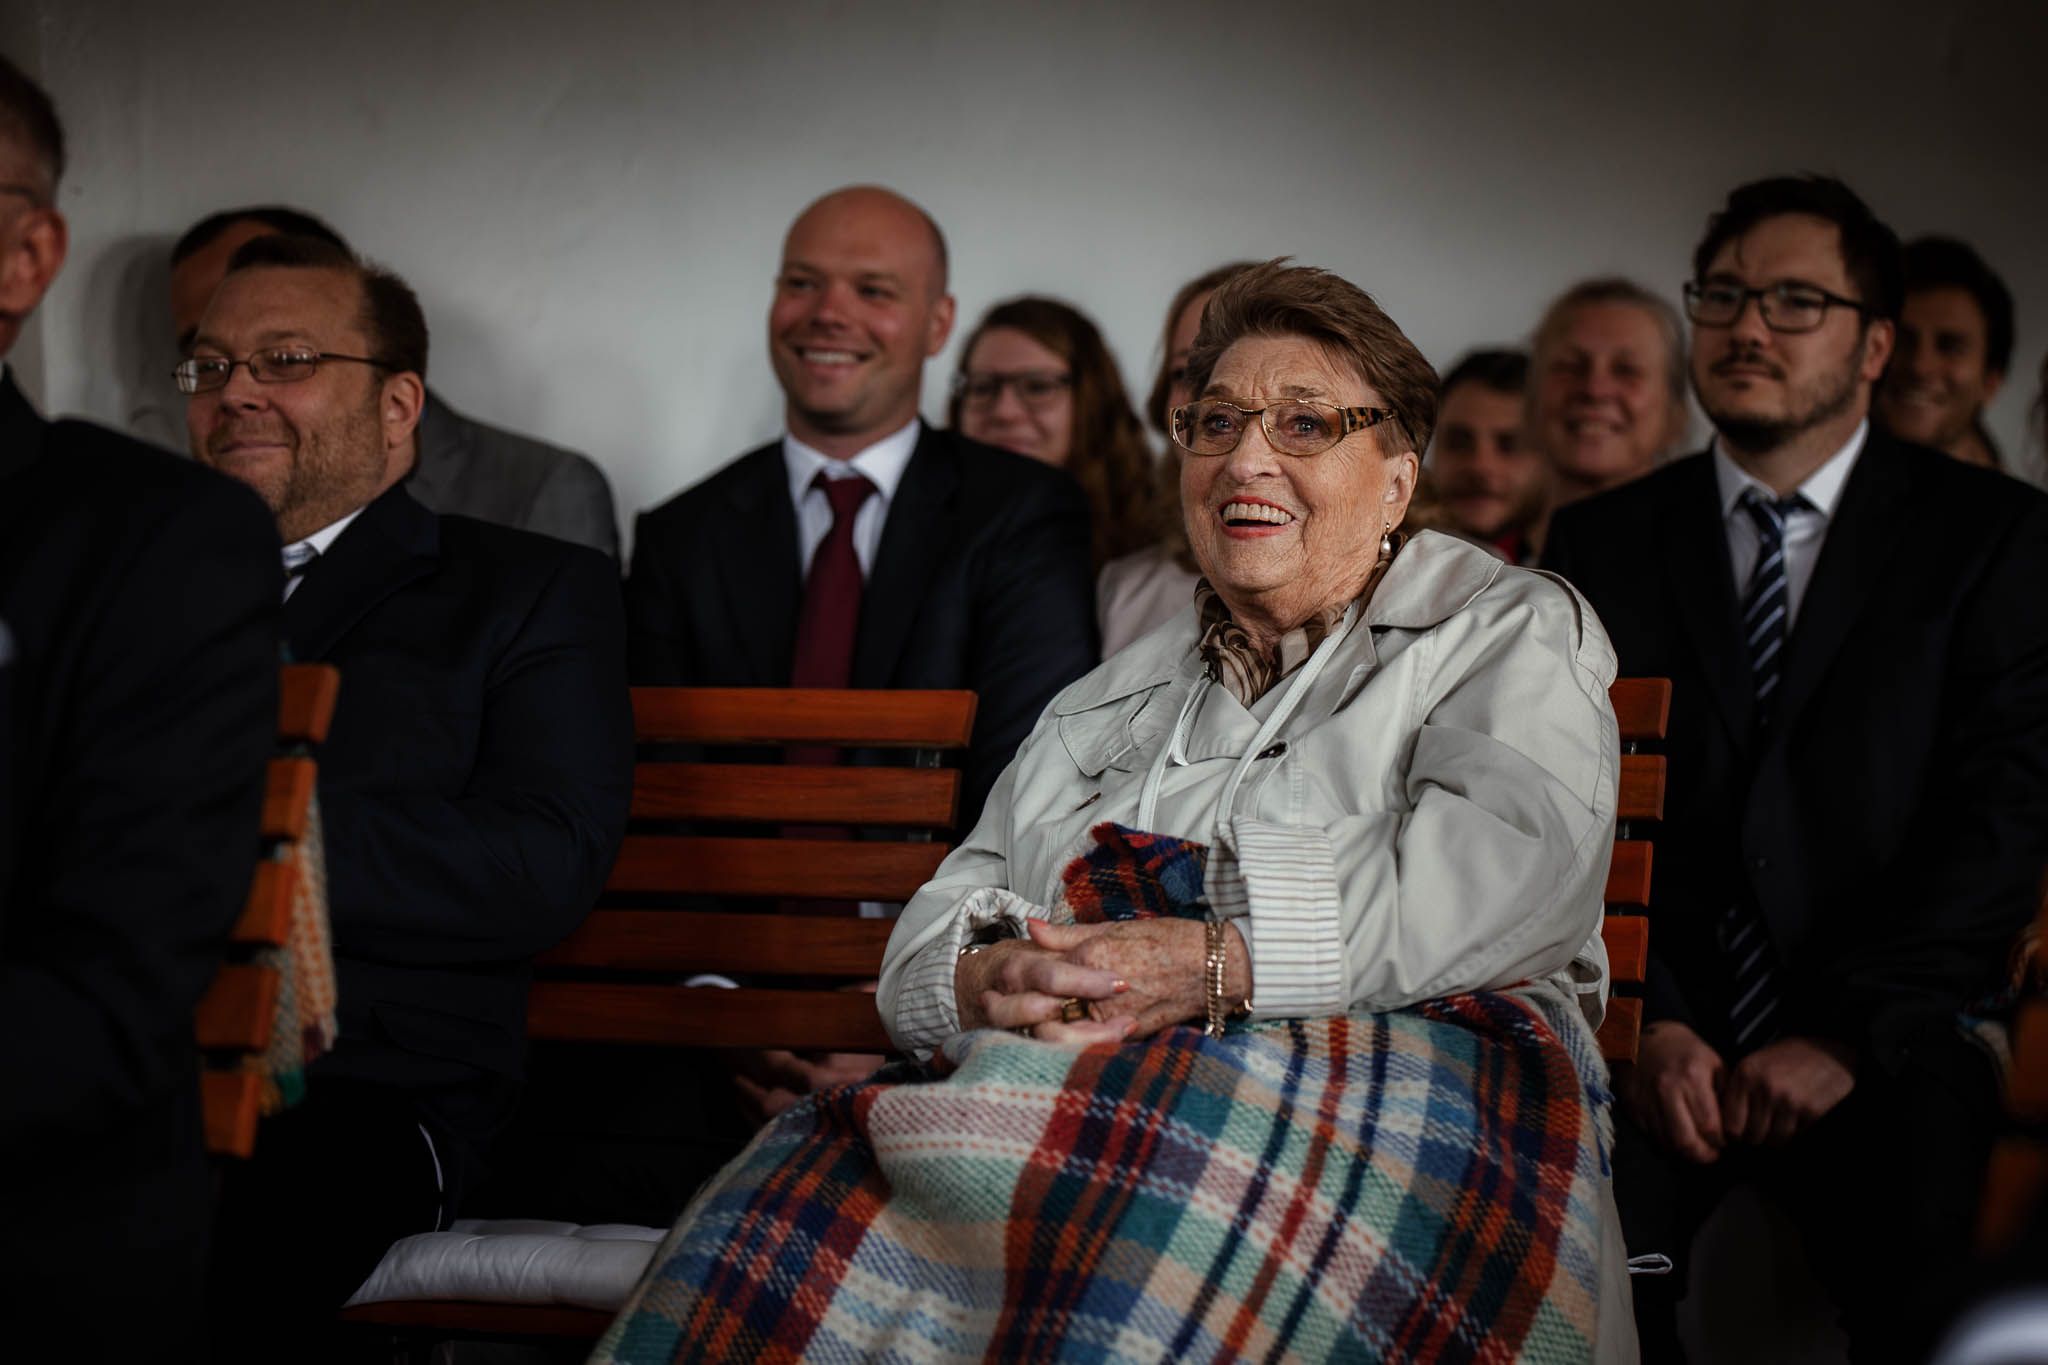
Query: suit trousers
{"points": [[1883, 1189], [333, 1183]]}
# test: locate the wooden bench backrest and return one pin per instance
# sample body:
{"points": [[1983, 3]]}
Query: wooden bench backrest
{"points": [[234, 1019], [1642, 710], [617, 978]]}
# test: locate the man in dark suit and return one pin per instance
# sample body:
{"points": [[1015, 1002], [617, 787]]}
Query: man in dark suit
{"points": [[969, 565], [461, 465], [138, 705], [1857, 819], [473, 786]]}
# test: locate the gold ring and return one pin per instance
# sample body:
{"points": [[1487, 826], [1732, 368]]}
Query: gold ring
{"points": [[1073, 1010]]}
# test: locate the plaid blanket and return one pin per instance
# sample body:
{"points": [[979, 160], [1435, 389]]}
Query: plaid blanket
{"points": [[1417, 1185]]}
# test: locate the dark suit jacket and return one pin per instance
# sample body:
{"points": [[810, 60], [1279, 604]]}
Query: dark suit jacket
{"points": [[473, 470], [1893, 827], [473, 787], [140, 592], [982, 581]]}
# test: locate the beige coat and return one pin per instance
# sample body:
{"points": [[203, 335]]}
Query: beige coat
{"points": [[1426, 811], [1432, 814]]}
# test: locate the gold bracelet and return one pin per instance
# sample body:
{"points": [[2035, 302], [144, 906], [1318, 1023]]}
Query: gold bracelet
{"points": [[1216, 961]]}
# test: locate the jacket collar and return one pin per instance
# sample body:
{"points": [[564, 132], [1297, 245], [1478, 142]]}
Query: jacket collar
{"points": [[21, 429], [916, 539], [394, 542], [1432, 579]]}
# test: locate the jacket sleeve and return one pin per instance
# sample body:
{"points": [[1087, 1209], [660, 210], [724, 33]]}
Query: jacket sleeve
{"points": [[1034, 629], [970, 888], [511, 865], [1490, 868], [147, 831]]}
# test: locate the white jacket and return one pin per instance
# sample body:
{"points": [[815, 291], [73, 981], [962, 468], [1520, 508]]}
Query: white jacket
{"points": [[1432, 814]]}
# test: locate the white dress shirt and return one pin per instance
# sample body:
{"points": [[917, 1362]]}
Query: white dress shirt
{"points": [[883, 463], [1805, 530], [317, 543]]}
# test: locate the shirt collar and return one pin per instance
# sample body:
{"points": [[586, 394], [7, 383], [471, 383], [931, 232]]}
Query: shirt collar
{"points": [[1822, 488], [326, 535], [883, 462]]}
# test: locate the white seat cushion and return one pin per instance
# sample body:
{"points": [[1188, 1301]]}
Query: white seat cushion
{"points": [[516, 1260]]}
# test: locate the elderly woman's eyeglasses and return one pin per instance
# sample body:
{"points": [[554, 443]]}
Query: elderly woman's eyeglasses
{"points": [[1214, 426], [1785, 307], [1035, 388], [275, 365]]}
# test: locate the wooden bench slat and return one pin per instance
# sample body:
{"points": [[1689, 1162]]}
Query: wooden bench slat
{"points": [[305, 701], [790, 715], [820, 869], [897, 798], [1628, 947], [229, 1100], [698, 941], [238, 1008], [1628, 876], [267, 913], [1642, 707], [287, 795], [485, 1319], [1641, 792], [705, 1016], [1621, 1028]]}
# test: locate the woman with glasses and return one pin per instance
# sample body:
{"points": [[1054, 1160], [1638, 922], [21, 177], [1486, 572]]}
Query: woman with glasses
{"points": [[1255, 1017], [1036, 378]]}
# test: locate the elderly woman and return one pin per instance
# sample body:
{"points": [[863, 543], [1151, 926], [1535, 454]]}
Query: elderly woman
{"points": [[1606, 398], [1252, 1020]]}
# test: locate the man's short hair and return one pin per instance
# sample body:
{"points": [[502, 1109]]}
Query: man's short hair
{"points": [[289, 221], [1870, 250], [29, 119], [1945, 263], [1616, 289], [1501, 370], [1279, 300], [391, 316]]}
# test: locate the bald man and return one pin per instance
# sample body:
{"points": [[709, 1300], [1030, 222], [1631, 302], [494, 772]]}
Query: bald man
{"points": [[956, 565]]}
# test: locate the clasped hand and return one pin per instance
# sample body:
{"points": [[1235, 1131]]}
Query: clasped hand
{"points": [[1136, 977], [1695, 1105]]}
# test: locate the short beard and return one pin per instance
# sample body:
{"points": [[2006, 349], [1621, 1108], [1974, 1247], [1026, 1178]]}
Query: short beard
{"points": [[1762, 435]]}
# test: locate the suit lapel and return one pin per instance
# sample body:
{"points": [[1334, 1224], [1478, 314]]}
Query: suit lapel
{"points": [[915, 539], [756, 555], [21, 430], [1870, 524], [394, 542], [1701, 582]]}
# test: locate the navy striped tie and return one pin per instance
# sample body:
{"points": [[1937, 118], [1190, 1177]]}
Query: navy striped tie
{"points": [[1766, 609]]}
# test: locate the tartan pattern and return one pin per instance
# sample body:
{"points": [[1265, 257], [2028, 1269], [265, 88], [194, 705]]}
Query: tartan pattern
{"points": [[1130, 874], [1421, 1185]]}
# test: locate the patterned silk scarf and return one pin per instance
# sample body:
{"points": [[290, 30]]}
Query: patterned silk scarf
{"points": [[1241, 666]]}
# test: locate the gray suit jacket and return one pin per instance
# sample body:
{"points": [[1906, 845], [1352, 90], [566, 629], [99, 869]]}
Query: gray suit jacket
{"points": [[479, 471]]}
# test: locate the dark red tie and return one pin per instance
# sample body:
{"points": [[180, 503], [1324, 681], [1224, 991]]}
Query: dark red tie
{"points": [[826, 626], [830, 616]]}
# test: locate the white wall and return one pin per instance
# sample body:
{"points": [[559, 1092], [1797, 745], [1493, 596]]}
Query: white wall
{"points": [[590, 199]]}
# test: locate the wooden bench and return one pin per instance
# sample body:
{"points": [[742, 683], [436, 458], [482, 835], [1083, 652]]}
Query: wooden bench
{"points": [[1642, 710], [595, 987], [235, 1018]]}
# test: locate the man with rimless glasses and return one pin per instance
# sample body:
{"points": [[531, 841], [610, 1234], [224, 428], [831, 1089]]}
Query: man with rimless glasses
{"points": [[473, 786], [1857, 816]]}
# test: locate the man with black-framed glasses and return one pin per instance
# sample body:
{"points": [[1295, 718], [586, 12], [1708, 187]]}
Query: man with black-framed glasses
{"points": [[473, 785], [1857, 816]]}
